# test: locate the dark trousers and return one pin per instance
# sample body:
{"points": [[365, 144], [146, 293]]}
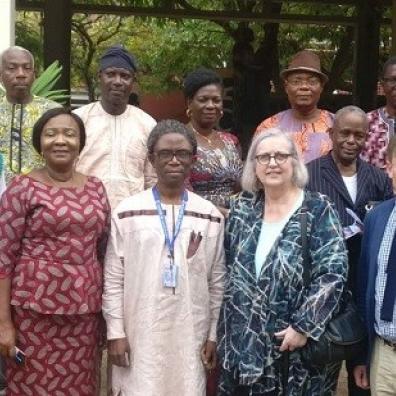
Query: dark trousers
{"points": [[353, 389]]}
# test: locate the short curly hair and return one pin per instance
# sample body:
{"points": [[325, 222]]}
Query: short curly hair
{"points": [[48, 115], [170, 126], [200, 78]]}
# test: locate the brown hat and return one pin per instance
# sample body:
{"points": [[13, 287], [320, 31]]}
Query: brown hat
{"points": [[305, 61]]}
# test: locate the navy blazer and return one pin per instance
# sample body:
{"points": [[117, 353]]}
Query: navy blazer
{"points": [[374, 228], [373, 184]]}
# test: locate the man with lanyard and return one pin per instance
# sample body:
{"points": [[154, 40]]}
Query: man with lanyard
{"points": [[19, 110], [170, 274], [117, 132], [353, 185], [165, 258], [382, 120]]}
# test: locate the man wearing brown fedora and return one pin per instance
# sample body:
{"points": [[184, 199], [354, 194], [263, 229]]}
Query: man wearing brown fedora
{"points": [[303, 82]]}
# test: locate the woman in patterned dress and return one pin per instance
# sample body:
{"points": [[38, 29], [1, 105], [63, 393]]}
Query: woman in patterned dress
{"points": [[216, 173], [53, 225], [267, 314]]}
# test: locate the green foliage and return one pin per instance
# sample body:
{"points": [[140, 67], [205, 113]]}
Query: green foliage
{"points": [[28, 34], [167, 49], [44, 84]]}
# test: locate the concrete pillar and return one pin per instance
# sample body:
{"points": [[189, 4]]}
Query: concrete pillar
{"points": [[7, 24]]}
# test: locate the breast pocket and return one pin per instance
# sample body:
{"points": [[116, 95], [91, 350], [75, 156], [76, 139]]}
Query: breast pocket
{"points": [[195, 241]]}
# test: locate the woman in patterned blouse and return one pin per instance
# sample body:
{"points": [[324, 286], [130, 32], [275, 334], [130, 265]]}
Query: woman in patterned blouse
{"points": [[216, 173], [53, 224], [267, 314]]}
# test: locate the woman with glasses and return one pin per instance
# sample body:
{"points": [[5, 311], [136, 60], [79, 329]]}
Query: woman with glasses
{"points": [[216, 172], [164, 276], [267, 315], [303, 83]]}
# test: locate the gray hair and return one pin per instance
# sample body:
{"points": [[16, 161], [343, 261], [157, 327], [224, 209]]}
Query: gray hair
{"points": [[347, 110], [170, 126], [249, 180], [15, 48]]}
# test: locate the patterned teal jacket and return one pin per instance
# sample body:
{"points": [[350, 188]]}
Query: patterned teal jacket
{"points": [[253, 310]]}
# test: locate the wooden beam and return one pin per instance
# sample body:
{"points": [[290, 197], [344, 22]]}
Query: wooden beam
{"points": [[393, 50], [159, 12], [38, 5], [57, 38], [334, 2], [367, 55]]}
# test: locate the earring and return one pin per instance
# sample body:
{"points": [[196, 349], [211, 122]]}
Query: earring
{"points": [[188, 113], [221, 113]]}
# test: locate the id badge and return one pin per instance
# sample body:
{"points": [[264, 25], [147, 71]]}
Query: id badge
{"points": [[169, 277]]}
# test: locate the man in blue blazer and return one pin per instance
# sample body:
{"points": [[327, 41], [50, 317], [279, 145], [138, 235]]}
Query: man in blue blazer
{"points": [[353, 185], [376, 293]]}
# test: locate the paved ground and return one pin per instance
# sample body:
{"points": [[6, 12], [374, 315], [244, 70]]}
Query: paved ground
{"points": [[342, 389]]}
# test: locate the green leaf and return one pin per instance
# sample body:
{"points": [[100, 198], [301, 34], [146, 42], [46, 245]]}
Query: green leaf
{"points": [[44, 84]]}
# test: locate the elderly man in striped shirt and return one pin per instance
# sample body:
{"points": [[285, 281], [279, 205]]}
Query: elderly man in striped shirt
{"points": [[352, 184]]}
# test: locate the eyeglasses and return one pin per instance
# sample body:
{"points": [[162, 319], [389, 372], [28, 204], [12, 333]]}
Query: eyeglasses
{"points": [[299, 82], [391, 81], [279, 158], [167, 155]]}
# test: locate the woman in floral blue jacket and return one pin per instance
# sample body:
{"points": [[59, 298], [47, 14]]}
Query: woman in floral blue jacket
{"points": [[267, 312]]}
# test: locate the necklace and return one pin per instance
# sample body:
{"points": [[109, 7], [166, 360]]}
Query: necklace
{"points": [[203, 136], [57, 182]]}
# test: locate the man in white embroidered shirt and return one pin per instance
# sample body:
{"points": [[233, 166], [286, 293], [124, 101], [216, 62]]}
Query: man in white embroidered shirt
{"points": [[117, 132]]}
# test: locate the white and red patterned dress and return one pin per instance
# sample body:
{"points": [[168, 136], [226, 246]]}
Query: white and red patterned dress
{"points": [[51, 243]]}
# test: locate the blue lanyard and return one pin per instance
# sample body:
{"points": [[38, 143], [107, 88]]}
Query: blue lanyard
{"points": [[170, 243]]}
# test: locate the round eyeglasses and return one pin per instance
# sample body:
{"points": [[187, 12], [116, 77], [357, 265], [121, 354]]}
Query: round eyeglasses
{"points": [[279, 158], [299, 82], [391, 81], [167, 155]]}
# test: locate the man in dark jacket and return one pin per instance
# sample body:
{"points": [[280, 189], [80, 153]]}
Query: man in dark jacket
{"points": [[353, 185]]}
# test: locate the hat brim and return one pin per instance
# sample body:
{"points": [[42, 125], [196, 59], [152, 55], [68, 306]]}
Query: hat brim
{"points": [[322, 76]]}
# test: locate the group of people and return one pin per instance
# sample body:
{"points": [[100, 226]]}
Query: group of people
{"points": [[157, 241]]}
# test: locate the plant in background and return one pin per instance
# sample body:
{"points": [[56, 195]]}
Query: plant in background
{"points": [[44, 84]]}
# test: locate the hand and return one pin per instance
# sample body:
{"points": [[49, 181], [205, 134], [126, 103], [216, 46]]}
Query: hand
{"points": [[7, 338], [292, 339], [361, 378], [119, 352], [209, 355]]}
